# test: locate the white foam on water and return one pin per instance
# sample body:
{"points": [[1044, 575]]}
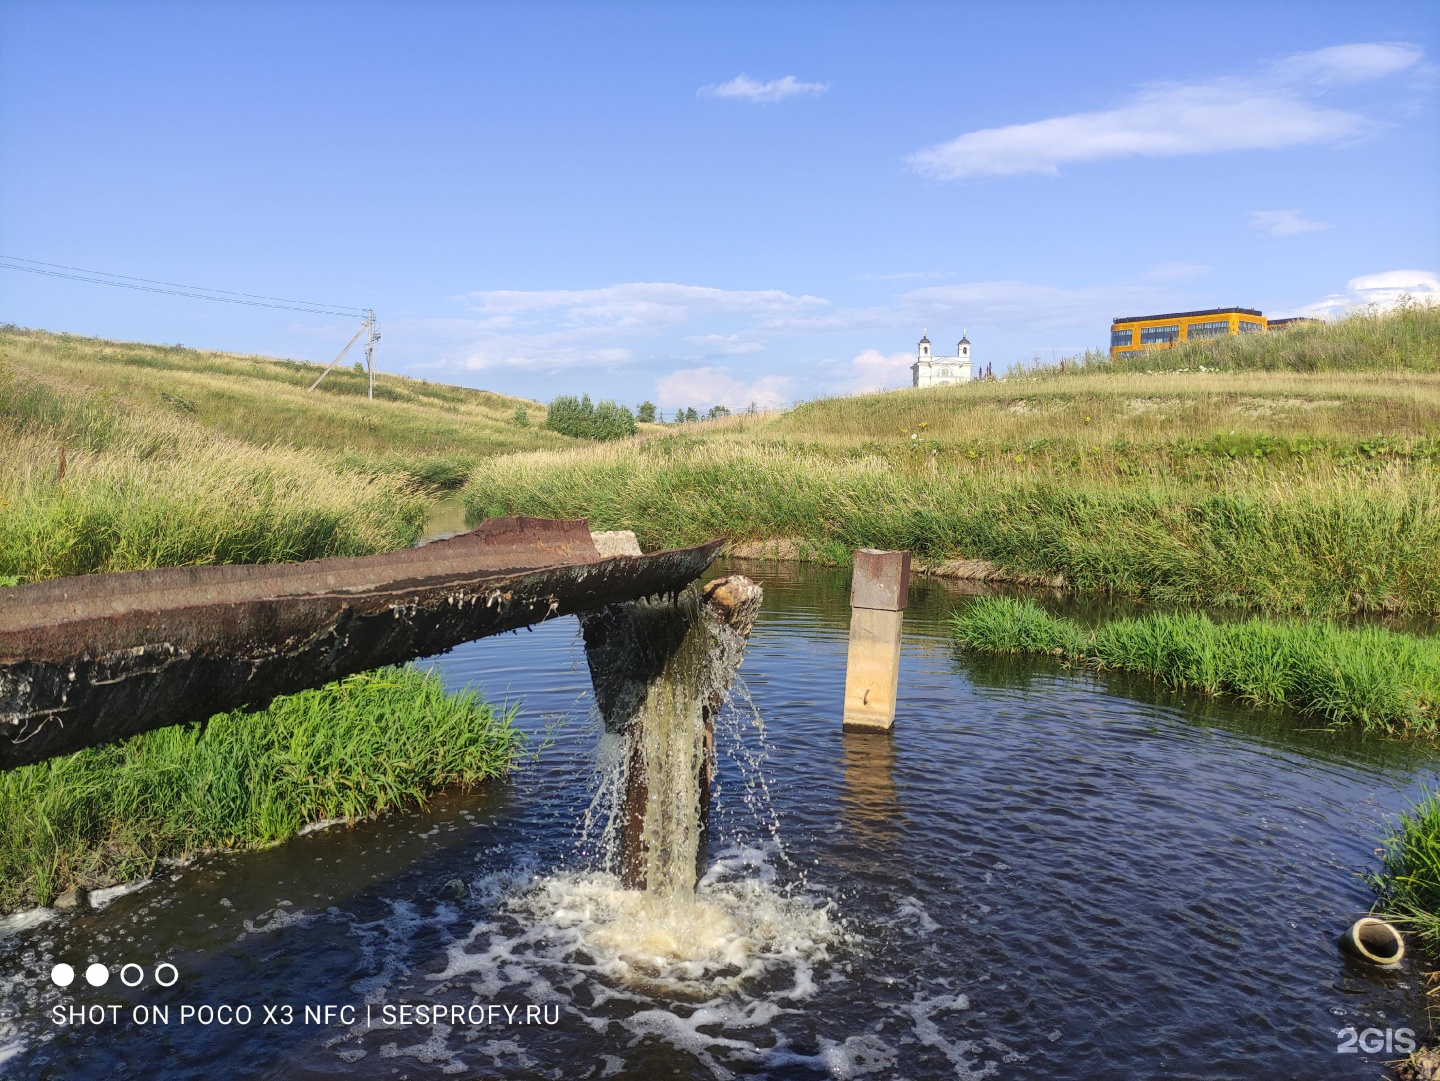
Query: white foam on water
{"points": [[23, 921], [101, 898], [708, 975]]}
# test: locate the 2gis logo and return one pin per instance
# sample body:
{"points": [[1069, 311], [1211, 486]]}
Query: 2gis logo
{"points": [[1374, 1040]]}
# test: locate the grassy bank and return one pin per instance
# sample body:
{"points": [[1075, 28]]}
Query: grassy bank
{"points": [[1318, 541], [1283, 490], [364, 746], [1378, 680], [1408, 884], [88, 484], [1402, 339]]}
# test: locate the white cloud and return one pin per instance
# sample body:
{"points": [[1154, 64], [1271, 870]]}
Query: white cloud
{"points": [[729, 344], [1343, 65], [589, 338], [1018, 305], [1267, 111], [700, 388], [1379, 292], [635, 306], [551, 330], [1284, 222], [872, 370], [744, 88]]}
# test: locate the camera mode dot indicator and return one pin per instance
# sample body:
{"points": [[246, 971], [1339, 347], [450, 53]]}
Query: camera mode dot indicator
{"points": [[96, 975], [62, 975]]}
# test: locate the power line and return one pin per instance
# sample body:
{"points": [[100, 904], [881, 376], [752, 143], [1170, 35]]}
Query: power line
{"points": [[199, 292]]}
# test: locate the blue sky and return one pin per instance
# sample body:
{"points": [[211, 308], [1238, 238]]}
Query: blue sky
{"points": [[702, 203]]}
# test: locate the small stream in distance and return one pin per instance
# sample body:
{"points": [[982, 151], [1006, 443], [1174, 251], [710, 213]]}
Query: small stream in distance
{"points": [[1039, 874]]}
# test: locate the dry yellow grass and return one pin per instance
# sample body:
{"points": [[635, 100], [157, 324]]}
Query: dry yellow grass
{"points": [[1100, 407], [264, 401], [150, 489]]}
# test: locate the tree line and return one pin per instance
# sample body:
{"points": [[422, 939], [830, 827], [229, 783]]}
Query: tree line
{"points": [[606, 419]]}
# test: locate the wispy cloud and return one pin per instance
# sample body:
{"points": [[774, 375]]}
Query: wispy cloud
{"points": [[744, 88], [729, 344], [607, 328], [1269, 110], [1284, 222], [734, 346], [1379, 291]]}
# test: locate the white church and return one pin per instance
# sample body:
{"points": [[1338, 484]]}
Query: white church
{"points": [[933, 371]]}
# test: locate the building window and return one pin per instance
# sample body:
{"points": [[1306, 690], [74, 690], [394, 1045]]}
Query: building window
{"points": [[1159, 335], [1217, 329], [1250, 328], [1122, 337]]}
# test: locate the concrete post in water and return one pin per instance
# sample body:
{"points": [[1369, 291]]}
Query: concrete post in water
{"points": [[878, 592], [661, 668]]}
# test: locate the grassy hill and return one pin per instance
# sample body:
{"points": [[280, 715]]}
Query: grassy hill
{"points": [[432, 432], [1291, 480], [115, 455]]}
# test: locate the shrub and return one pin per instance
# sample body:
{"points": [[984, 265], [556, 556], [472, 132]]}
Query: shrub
{"points": [[579, 417]]}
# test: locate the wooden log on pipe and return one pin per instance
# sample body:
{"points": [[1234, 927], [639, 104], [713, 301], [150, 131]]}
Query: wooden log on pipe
{"points": [[878, 592], [661, 668]]}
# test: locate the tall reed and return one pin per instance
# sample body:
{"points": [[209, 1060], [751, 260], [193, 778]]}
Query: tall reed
{"points": [[1323, 542]]}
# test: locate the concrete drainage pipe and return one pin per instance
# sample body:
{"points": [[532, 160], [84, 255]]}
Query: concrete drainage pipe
{"points": [[1375, 941]]}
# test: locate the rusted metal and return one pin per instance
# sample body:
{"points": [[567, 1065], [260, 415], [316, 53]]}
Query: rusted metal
{"points": [[97, 658]]}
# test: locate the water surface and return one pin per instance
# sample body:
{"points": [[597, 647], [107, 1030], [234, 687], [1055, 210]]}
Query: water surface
{"points": [[1039, 874]]}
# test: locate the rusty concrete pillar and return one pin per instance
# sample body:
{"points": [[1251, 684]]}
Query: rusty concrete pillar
{"points": [[878, 592]]}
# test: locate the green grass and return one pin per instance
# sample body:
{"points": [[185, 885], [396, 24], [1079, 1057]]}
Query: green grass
{"points": [[1408, 884], [1312, 492], [1378, 680], [144, 489], [430, 433], [1325, 541], [367, 745]]}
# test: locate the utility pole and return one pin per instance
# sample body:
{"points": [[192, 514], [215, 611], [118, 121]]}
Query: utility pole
{"points": [[370, 349]]}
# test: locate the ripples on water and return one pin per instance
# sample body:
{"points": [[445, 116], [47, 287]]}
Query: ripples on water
{"points": [[1038, 875]]}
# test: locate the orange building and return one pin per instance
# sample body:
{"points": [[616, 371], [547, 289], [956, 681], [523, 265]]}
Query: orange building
{"points": [[1139, 332]]}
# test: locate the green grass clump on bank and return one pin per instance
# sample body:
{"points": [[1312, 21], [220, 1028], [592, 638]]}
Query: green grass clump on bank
{"points": [[1324, 542], [366, 745], [1408, 884], [1376, 679]]}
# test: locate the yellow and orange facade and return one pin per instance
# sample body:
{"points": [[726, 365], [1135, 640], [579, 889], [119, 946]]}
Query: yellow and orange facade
{"points": [[1141, 332]]}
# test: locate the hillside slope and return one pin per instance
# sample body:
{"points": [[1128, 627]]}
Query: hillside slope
{"points": [[432, 432]]}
